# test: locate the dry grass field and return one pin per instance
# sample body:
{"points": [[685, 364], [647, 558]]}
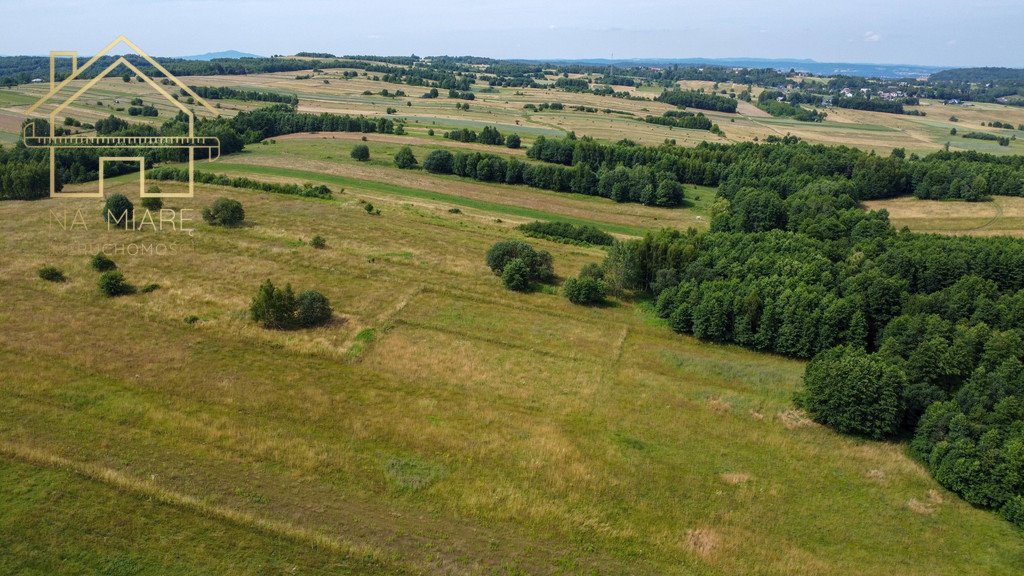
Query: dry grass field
{"points": [[1003, 216], [439, 423]]}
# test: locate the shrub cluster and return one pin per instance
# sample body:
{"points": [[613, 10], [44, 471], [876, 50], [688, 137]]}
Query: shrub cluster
{"points": [[519, 265], [584, 290], [181, 175], [566, 232], [280, 309]]}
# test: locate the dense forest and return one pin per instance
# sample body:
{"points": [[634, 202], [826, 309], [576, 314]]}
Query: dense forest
{"points": [[786, 165], [23, 69], [697, 99]]}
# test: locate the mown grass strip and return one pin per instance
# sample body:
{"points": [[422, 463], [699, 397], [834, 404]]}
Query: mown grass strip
{"points": [[393, 189]]}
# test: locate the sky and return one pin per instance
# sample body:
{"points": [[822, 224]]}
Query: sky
{"points": [[926, 32]]}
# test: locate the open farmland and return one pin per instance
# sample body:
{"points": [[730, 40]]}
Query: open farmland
{"points": [[534, 327], [439, 423], [613, 119]]}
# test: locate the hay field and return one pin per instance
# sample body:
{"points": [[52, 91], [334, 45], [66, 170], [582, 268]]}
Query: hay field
{"points": [[439, 424]]}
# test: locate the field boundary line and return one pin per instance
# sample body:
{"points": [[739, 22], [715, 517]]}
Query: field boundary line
{"points": [[139, 487], [489, 340]]}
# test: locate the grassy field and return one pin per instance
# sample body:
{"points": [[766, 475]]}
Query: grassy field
{"points": [[1003, 216], [439, 424]]}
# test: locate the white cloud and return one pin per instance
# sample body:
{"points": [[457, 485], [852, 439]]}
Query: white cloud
{"points": [[870, 36]]}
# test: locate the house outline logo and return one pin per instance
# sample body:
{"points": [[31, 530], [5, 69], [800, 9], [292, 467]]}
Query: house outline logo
{"points": [[190, 142]]}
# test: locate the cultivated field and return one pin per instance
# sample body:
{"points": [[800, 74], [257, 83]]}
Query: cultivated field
{"points": [[615, 118]]}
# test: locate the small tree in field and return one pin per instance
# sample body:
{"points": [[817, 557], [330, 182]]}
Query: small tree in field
{"points": [[312, 309], [361, 152], [100, 262], [112, 284], [274, 307], [404, 158], [513, 141], [439, 162], [224, 212], [118, 209], [585, 290], [516, 275]]}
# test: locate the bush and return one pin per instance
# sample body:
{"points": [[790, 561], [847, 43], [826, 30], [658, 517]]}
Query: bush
{"points": [[279, 309], [51, 274], [439, 162], [404, 158], [153, 204], [513, 141], [119, 210], [112, 283], [368, 207], [516, 275], [224, 212], [313, 309], [584, 290], [101, 263], [361, 152], [274, 307], [318, 242], [855, 392], [539, 266], [592, 270], [501, 253]]}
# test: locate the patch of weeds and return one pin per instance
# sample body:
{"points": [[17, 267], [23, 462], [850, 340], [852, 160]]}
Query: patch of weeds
{"points": [[410, 474], [363, 340], [150, 288], [627, 441]]}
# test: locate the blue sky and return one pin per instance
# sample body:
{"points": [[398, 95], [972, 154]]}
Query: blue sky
{"points": [[933, 32]]}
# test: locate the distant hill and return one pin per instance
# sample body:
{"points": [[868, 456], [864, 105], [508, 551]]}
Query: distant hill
{"points": [[800, 65], [219, 55], [981, 75]]}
